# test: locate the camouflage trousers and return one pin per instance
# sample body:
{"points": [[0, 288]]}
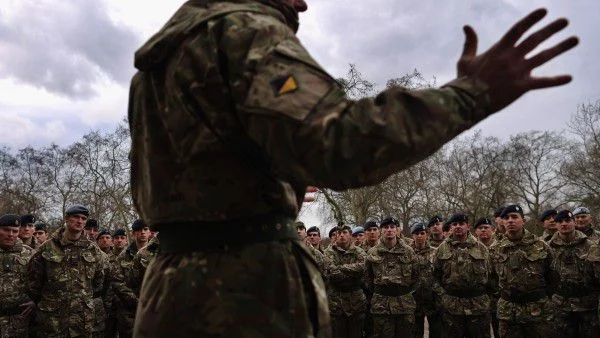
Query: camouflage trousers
{"points": [[584, 324], [525, 330], [459, 326], [393, 326], [435, 325], [348, 326], [269, 289]]}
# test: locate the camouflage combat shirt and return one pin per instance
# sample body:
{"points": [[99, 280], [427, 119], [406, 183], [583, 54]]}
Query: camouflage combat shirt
{"points": [[345, 280], [13, 290]]}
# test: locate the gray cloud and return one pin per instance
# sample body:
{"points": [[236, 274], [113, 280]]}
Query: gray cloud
{"points": [[65, 49]]}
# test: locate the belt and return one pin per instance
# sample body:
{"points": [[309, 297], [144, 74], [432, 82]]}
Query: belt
{"points": [[178, 237], [468, 293], [520, 297], [345, 288], [392, 290]]}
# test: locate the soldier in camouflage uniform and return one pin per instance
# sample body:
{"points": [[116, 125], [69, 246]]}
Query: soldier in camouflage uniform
{"points": [[27, 229], [313, 238], [41, 233], [576, 302], [548, 223], [392, 275], [358, 236], [123, 282], [484, 232], [522, 269], [499, 222], [119, 240], [320, 258], [231, 119], [593, 273], [461, 271], [436, 233], [15, 305], [141, 260], [424, 294], [64, 275], [347, 301], [91, 229], [583, 223], [371, 235]]}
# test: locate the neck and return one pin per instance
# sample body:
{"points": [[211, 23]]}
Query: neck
{"points": [[420, 245], [106, 250], [390, 242], [437, 236], [487, 241], [73, 235], [567, 236], [460, 238], [517, 236], [343, 246], [140, 244]]}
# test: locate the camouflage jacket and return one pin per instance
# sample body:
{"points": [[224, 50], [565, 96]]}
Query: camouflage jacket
{"points": [[279, 120], [593, 236], [461, 272], [31, 242], [13, 290], [367, 246], [140, 263], [64, 277], [522, 271], [593, 274], [546, 236], [322, 261], [392, 274], [434, 242], [424, 294], [573, 292], [345, 280]]}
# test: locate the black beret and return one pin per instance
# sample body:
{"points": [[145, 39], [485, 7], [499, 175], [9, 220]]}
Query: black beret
{"points": [[300, 225], [27, 219], [41, 226], [446, 226], [511, 208], [119, 232], [91, 224], [333, 230], [434, 220], [10, 220], [370, 224], [498, 212], [563, 215], [458, 218], [103, 232], [482, 221], [418, 227], [389, 220], [77, 210], [138, 225], [547, 213]]}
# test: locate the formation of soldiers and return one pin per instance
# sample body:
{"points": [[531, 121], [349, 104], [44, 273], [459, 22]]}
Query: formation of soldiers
{"points": [[467, 279], [82, 281], [78, 281]]}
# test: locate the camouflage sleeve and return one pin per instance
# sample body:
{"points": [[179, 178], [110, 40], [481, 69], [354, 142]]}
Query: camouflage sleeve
{"points": [[494, 287], [552, 276], [314, 134], [369, 275], [119, 287], [593, 272], [36, 275], [437, 275], [137, 273]]}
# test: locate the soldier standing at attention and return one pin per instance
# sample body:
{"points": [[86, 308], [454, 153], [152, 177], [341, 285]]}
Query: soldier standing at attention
{"points": [[424, 295], [15, 305], [522, 267], [436, 233], [27, 229], [319, 257], [91, 229], [392, 275], [548, 223], [371, 235], [358, 236], [461, 271], [499, 223], [64, 275], [104, 241], [119, 243], [119, 239], [575, 300], [484, 231], [231, 119], [347, 301]]}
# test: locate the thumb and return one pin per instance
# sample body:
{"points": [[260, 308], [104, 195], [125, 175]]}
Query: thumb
{"points": [[470, 46]]}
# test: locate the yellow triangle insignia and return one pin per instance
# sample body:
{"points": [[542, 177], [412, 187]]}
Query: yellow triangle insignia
{"points": [[288, 86]]}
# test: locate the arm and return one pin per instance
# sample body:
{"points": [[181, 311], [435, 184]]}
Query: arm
{"points": [[36, 276]]}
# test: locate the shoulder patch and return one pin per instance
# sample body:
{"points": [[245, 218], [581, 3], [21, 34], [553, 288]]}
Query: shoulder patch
{"points": [[284, 84]]}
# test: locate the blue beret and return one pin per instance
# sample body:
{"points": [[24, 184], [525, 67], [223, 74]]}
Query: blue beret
{"points": [[77, 210], [358, 230], [10, 220], [581, 211]]}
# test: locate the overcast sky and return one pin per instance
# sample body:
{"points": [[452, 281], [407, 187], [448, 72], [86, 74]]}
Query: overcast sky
{"points": [[65, 65]]}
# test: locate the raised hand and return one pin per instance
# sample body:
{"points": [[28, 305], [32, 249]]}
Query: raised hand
{"points": [[505, 67]]}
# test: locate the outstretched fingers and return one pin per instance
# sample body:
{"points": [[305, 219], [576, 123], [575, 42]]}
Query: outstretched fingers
{"points": [[541, 35], [550, 53], [516, 32], [546, 82], [470, 46]]}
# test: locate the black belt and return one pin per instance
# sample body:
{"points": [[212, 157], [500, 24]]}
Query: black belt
{"points": [[520, 297], [468, 293], [392, 290], [180, 237], [345, 288]]}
